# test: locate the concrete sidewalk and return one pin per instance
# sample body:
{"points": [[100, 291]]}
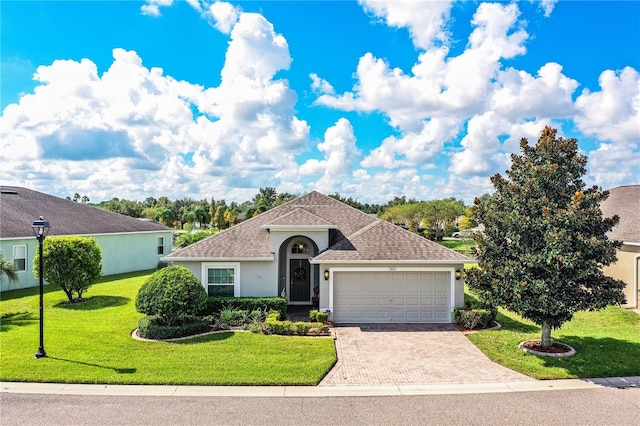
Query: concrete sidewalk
{"points": [[318, 391]]}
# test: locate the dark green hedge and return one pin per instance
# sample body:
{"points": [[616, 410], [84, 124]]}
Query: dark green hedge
{"points": [[154, 327], [216, 304], [288, 328]]}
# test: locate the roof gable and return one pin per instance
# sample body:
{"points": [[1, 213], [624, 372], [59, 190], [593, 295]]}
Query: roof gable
{"points": [[299, 217], [19, 207]]}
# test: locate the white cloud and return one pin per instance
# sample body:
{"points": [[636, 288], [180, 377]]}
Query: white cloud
{"points": [[611, 164], [613, 113], [340, 155], [152, 7], [424, 20], [130, 127], [224, 16], [547, 6], [519, 95], [413, 148], [320, 86]]}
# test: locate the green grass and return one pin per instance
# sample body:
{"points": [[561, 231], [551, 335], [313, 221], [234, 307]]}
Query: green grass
{"points": [[458, 244], [607, 344], [91, 342]]}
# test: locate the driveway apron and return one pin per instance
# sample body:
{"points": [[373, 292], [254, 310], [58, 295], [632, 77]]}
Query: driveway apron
{"points": [[411, 354]]}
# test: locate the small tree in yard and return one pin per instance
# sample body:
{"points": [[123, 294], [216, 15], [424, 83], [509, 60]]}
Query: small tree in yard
{"points": [[544, 244], [72, 263], [171, 293]]}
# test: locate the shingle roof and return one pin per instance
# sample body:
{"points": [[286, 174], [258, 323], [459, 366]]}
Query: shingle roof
{"points": [[19, 207], [359, 236], [300, 217], [625, 202], [382, 241]]}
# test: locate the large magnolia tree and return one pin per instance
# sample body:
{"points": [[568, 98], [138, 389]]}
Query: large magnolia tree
{"points": [[545, 242]]}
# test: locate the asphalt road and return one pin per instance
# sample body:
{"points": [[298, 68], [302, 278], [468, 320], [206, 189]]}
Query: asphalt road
{"points": [[602, 406]]}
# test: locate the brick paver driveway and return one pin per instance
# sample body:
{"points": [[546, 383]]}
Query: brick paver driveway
{"points": [[411, 354]]}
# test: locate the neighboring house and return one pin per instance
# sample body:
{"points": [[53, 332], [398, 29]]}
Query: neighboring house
{"points": [[364, 269], [127, 244], [624, 201]]}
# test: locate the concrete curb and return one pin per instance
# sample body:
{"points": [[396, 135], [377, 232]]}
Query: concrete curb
{"points": [[317, 391]]}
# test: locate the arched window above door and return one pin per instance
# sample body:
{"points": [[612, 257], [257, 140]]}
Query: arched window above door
{"points": [[300, 247]]}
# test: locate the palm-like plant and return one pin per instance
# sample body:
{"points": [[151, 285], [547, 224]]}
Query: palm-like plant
{"points": [[8, 268]]}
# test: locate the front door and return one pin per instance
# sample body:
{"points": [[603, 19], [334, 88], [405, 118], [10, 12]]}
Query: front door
{"points": [[300, 280]]}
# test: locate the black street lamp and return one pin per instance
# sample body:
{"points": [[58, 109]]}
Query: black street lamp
{"points": [[40, 229]]}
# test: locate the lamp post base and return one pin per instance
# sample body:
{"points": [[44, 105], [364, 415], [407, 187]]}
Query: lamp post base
{"points": [[40, 353]]}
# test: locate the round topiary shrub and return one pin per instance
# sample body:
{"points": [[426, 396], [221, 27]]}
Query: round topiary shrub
{"points": [[171, 293]]}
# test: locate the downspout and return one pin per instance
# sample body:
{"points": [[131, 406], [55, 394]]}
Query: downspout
{"points": [[635, 279]]}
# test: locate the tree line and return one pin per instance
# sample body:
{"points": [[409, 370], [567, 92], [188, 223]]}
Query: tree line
{"points": [[433, 219]]}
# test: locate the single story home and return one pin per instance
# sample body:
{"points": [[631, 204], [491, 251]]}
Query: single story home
{"points": [[128, 244], [317, 249], [624, 201]]}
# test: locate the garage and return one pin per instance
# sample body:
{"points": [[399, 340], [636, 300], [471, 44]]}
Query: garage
{"points": [[383, 296]]}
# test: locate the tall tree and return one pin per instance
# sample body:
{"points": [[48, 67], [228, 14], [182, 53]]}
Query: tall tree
{"points": [[410, 215], [212, 211], [545, 242]]}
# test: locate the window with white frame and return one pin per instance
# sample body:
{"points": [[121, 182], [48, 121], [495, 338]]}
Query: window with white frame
{"points": [[160, 245], [221, 280], [20, 257]]}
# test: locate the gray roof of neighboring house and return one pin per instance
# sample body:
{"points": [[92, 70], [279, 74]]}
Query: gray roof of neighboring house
{"points": [[356, 236], [19, 207], [624, 201]]}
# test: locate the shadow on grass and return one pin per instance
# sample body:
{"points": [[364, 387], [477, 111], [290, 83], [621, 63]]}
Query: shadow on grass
{"points": [[598, 357], [25, 292], [93, 303], [16, 319], [511, 324], [115, 369]]}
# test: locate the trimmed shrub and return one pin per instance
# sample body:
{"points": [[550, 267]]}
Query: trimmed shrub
{"points": [[302, 328], [170, 293], [479, 304], [72, 263], [313, 314], [473, 318], [155, 327], [215, 305], [287, 328], [322, 317]]}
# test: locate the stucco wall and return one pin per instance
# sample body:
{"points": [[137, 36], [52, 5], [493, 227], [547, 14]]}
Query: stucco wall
{"points": [[257, 279], [120, 253], [626, 269]]}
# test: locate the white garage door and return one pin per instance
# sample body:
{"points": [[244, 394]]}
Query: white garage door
{"points": [[391, 296]]}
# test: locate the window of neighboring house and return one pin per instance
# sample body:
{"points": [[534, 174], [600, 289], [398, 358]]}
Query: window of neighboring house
{"points": [[160, 245], [222, 280], [20, 257]]}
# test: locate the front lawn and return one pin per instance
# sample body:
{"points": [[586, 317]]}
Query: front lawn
{"points": [[91, 342], [607, 342], [462, 245]]}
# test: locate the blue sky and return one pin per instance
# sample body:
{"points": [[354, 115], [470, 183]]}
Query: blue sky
{"points": [[369, 99]]}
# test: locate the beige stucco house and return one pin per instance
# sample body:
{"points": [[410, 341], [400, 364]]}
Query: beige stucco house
{"points": [[362, 269], [624, 201]]}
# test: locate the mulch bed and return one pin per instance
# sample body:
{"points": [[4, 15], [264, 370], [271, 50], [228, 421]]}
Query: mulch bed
{"points": [[555, 348]]}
